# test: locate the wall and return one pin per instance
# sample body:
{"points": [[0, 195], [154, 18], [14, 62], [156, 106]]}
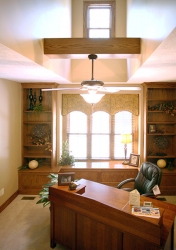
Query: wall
{"points": [[10, 137], [152, 21], [24, 24]]}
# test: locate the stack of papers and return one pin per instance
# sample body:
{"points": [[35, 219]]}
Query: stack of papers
{"points": [[146, 211]]}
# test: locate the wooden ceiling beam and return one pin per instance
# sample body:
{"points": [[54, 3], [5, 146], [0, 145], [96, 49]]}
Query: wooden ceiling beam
{"points": [[80, 47]]}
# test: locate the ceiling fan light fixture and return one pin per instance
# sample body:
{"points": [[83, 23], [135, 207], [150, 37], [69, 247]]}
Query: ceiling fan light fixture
{"points": [[93, 83], [92, 98], [92, 91]]}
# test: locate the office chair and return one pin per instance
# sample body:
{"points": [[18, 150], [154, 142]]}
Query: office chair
{"points": [[148, 176]]}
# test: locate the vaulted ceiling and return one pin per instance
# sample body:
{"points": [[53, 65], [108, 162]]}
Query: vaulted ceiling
{"points": [[160, 66]]}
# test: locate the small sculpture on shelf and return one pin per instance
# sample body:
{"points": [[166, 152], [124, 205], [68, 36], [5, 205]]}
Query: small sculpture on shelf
{"points": [[34, 99], [31, 100], [40, 97]]}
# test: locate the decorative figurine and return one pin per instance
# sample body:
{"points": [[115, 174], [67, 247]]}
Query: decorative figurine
{"points": [[31, 99], [72, 185], [34, 99], [40, 97]]}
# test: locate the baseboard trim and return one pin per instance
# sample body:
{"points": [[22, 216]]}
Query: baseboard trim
{"points": [[7, 202]]}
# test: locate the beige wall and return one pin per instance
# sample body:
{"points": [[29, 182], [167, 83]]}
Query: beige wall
{"points": [[10, 137], [24, 24], [152, 21]]}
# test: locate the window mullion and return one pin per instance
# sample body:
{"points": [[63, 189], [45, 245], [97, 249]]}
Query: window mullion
{"points": [[89, 137], [112, 134]]}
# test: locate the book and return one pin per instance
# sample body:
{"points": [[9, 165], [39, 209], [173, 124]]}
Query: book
{"points": [[146, 211]]}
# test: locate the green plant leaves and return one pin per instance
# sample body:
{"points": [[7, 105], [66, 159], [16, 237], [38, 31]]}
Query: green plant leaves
{"points": [[44, 193], [66, 158]]}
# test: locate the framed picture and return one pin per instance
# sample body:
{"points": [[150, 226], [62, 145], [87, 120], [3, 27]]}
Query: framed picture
{"points": [[65, 178], [152, 128], [134, 160]]}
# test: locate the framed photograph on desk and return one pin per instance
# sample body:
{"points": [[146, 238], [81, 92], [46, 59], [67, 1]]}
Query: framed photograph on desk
{"points": [[64, 179], [134, 160]]}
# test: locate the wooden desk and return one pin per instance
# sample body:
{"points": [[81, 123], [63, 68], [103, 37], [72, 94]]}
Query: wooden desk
{"points": [[101, 219]]}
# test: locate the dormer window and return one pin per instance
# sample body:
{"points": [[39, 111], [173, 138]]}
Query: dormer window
{"points": [[99, 19]]}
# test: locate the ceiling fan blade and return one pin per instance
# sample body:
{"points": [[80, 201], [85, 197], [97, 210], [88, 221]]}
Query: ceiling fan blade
{"points": [[109, 89], [60, 89]]}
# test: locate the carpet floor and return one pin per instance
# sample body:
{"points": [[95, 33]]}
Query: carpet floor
{"points": [[25, 225]]}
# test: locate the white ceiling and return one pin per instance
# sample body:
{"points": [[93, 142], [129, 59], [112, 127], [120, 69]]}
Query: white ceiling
{"points": [[160, 66]]}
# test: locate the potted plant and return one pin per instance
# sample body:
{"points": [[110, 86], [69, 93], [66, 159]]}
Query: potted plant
{"points": [[44, 193], [38, 108], [66, 158]]}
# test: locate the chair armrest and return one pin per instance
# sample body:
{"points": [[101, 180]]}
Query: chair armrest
{"points": [[149, 195], [125, 181]]}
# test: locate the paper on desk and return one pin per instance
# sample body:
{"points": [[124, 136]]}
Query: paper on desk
{"points": [[134, 198], [156, 190]]}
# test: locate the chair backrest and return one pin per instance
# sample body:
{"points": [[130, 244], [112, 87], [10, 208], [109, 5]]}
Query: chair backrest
{"points": [[149, 175]]}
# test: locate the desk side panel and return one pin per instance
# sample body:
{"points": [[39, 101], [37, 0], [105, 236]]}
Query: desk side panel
{"points": [[63, 228], [92, 234]]}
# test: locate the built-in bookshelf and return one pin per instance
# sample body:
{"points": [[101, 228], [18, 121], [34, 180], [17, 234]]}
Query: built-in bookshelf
{"points": [[39, 126]]}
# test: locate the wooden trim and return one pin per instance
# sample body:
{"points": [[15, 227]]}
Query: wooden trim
{"points": [[7, 202]]}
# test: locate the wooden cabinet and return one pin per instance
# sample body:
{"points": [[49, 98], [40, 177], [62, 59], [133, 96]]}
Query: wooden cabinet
{"points": [[38, 128], [31, 181], [160, 123]]}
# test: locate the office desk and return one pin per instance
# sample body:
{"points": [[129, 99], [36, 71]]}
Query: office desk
{"points": [[98, 217]]}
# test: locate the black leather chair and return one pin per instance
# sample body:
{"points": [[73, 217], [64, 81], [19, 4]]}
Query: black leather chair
{"points": [[148, 176]]}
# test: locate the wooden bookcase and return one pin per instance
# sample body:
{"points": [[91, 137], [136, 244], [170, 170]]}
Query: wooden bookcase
{"points": [[160, 139], [39, 128]]}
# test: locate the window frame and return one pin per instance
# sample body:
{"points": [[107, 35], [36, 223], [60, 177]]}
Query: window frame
{"points": [[87, 4]]}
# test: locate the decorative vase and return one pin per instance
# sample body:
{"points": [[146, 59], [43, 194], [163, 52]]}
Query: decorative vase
{"points": [[161, 163], [33, 164]]}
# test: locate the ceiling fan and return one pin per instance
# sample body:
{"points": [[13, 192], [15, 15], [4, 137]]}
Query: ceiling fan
{"points": [[92, 86]]}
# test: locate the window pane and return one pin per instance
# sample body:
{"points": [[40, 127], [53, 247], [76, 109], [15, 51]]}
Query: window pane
{"points": [[123, 125], [95, 33], [100, 146], [99, 18], [100, 122], [77, 144], [119, 148], [123, 122], [75, 125], [77, 134]]}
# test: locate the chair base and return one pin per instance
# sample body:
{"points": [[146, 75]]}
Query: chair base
{"points": [[125, 162]]}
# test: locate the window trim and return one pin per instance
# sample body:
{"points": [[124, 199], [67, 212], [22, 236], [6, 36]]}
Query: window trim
{"points": [[86, 4]]}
